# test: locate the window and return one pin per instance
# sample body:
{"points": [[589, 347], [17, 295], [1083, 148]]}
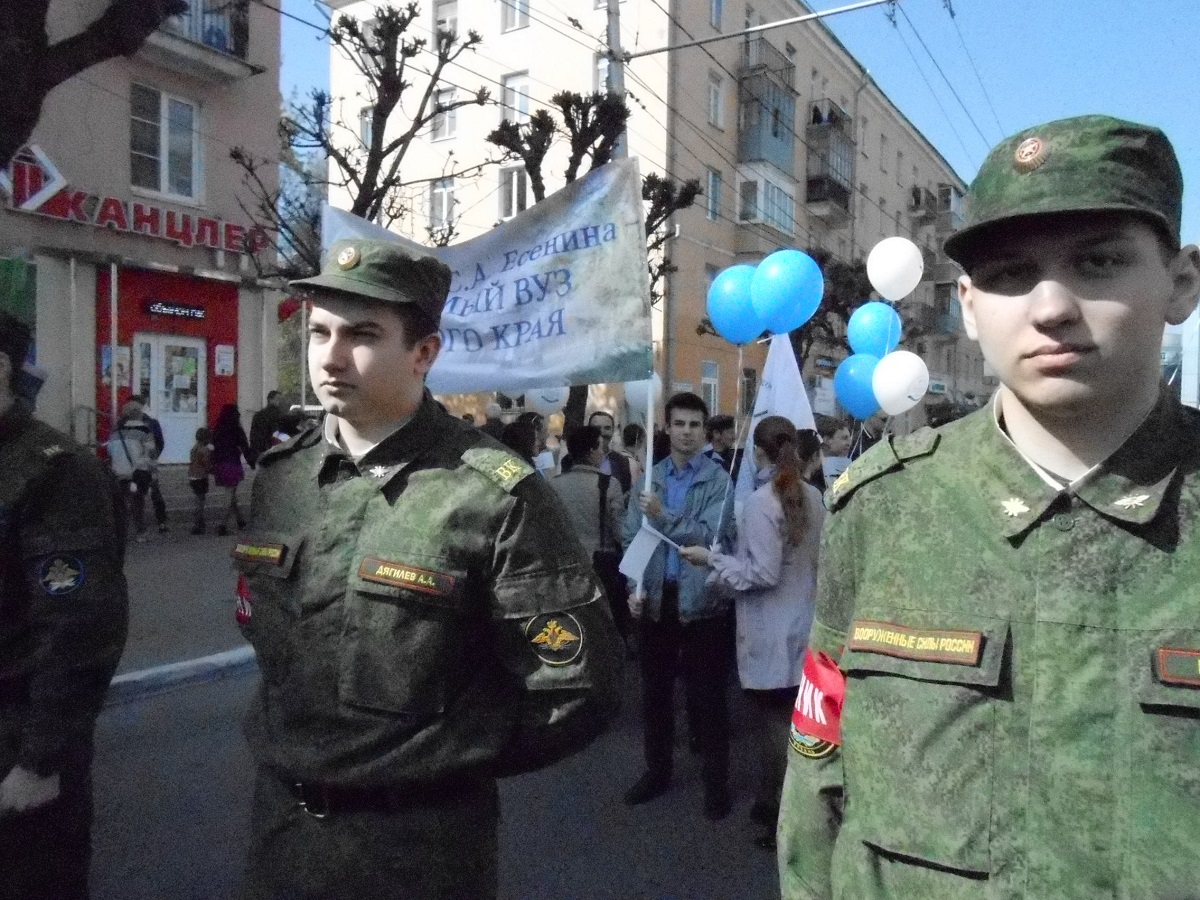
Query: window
{"points": [[883, 216], [514, 191], [441, 203], [883, 151], [778, 208], [752, 17], [748, 202], [749, 389], [366, 125], [445, 15], [164, 150], [716, 9], [899, 165], [600, 73], [514, 98], [716, 100], [513, 14], [710, 376], [714, 194], [445, 123], [862, 137]]}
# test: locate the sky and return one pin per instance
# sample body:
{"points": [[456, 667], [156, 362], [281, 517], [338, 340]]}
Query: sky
{"points": [[1013, 63]]}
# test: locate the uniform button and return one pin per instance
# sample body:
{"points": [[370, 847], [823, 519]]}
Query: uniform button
{"points": [[1064, 521]]}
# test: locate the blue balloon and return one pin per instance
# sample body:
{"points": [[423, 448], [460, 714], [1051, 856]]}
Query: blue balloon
{"points": [[729, 306], [852, 384], [875, 329], [787, 290]]}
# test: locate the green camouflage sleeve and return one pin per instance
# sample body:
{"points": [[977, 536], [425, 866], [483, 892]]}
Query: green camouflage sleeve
{"points": [[72, 553], [554, 632], [811, 806]]}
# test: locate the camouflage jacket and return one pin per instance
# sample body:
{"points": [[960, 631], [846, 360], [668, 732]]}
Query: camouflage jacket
{"points": [[423, 613], [1021, 712], [64, 608]]}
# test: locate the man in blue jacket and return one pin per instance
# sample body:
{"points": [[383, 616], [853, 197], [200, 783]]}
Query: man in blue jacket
{"points": [[682, 627]]}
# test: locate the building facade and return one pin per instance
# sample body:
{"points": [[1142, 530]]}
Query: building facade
{"points": [[792, 142], [123, 239]]}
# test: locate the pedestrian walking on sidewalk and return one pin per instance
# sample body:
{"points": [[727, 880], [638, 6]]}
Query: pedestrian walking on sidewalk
{"points": [[200, 466], [155, 491], [230, 447], [422, 614], [131, 455], [1001, 696], [63, 620]]}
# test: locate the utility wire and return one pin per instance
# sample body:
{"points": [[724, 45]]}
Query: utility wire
{"points": [[986, 143], [974, 68], [932, 92]]}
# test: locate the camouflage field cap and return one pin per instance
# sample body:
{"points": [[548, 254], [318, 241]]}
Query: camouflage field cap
{"points": [[382, 270], [1083, 164]]}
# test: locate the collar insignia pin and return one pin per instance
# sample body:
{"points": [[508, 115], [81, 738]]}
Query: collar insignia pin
{"points": [[1014, 506], [379, 471], [1132, 501]]}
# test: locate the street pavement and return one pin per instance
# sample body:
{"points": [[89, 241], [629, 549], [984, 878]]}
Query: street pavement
{"points": [[173, 776]]}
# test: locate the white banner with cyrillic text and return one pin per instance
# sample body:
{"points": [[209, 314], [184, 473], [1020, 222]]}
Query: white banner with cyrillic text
{"points": [[558, 295]]}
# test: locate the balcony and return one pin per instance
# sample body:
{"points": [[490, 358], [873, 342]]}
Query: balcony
{"points": [[760, 56], [828, 199], [210, 42], [766, 123], [922, 206], [941, 320]]}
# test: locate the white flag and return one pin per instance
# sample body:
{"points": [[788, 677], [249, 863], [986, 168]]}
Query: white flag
{"points": [[781, 394]]}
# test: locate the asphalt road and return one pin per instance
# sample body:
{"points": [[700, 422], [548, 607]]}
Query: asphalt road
{"points": [[172, 802]]}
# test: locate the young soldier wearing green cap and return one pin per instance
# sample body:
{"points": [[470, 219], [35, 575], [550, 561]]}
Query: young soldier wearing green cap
{"points": [[64, 612], [423, 617], [1013, 710]]}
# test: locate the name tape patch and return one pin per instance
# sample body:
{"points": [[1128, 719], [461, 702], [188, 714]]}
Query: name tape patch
{"points": [[268, 553], [963, 648], [397, 574], [1176, 666]]}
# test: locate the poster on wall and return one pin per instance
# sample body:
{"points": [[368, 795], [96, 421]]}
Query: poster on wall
{"points": [[223, 363], [124, 368]]}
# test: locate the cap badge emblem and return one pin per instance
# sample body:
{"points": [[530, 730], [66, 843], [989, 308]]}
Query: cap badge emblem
{"points": [[1132, 501], [348, 258], [1030, 154]]}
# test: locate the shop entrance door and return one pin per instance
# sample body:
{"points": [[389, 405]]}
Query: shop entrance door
{"points": [[170, 370]]}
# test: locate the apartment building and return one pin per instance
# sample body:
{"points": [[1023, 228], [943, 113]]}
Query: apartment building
{"points": [[791, 140], [123, 239]]}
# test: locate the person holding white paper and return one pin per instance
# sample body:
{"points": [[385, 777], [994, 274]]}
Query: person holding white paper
{"points": [[682, 626], [774, 573]]}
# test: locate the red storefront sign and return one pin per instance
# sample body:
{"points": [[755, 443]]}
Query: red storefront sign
{"points": [[31, 184]]}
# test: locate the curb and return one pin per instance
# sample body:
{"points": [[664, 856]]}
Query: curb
{"points": [[144, 682]]}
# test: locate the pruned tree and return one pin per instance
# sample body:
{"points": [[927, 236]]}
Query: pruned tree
{"points": [[403, 78], [592, 124], [33, 66]]}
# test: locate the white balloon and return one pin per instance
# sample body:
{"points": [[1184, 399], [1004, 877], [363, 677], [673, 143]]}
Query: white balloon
{"points": [[635, 396], [546, 401], [895, 267], [900, 381]]}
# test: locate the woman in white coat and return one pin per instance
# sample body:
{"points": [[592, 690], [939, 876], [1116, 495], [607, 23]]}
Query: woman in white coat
{"points": [[774, 572]]}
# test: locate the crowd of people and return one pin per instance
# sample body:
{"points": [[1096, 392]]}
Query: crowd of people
{"points": [[981, 645]]}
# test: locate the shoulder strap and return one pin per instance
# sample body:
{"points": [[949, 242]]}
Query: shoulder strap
{"points": [[498, 466]]}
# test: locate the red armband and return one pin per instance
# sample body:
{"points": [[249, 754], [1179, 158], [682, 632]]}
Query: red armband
{"points": [[817, 718]]}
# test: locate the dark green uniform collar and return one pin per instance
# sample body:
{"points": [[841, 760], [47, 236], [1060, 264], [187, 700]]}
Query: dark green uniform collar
{"points": [[393, 454], [1129, 486]]}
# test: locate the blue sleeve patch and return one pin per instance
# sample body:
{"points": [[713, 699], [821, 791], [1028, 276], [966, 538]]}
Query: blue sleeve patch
{"points": [[60, 575]]}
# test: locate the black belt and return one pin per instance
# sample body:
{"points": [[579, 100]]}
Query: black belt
{"points": [[323, 800]]}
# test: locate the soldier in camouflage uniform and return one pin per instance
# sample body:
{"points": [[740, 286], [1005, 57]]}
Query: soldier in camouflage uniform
{"points": [[63, 618], [423, 617], [1001, 697]]}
